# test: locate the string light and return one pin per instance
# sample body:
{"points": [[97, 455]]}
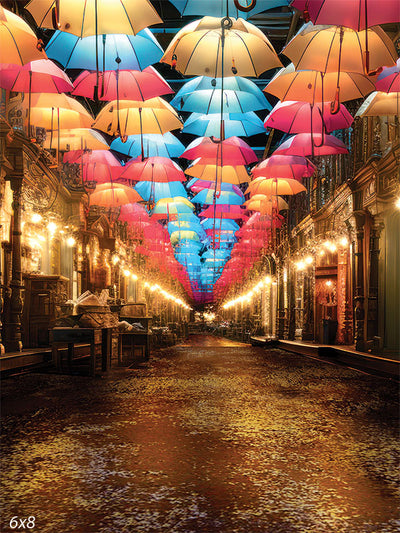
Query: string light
{"points": [[247, 297]]}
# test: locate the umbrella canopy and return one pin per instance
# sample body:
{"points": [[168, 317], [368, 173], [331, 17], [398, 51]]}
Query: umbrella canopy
{"points": [[284, 166], [235, 124], [389, 79], [234, 212], [271, 186], [303, 117], [234, 150], [155, 191], [178, 225], [183, 235], [196, 185], [94, 17], [210, 7], [305, 144], [39, 76], [333, 48], [265, 204], [19, 44], [113, 195], [220, 224], [313, 86], [351, 13], [156, 169], [152, 145], [133, 212], [122, 84], [132, 117], [57, 111], [97, 165], [172, 206], [136, 52], [207, 196], [76, 140], [225, 174], [380, 103], [196, 49]]}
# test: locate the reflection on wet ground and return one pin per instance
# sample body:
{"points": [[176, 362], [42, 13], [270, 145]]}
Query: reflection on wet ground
{"points": [[211, 436]]}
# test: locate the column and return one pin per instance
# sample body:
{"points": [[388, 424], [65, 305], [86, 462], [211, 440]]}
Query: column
{"points": [[374, 249], [359, 312]]}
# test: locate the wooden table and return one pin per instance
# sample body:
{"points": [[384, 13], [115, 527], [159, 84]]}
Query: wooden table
{"points": [[71, 336], [128, 340]]}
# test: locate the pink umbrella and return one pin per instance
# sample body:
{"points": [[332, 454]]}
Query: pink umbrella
{"points": [[284, 166], [157, 169], [200, 185], [305, 144], [212, 151], [224, 211], [121, 84], [389, 79], [133, 213], [303, 117], [97, 165], [39, 76]]}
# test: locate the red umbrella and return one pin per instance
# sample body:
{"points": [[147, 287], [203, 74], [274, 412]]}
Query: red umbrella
{"points": [[97, 165], [39, 76], [122, 84], [212, 151], [133, 213], [303, 117], [224, 211], [157, 169], [389, 79], [305, 144], [284, 166]]}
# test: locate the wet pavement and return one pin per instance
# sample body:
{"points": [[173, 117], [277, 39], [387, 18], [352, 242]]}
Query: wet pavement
{"points": [[210, 436]]}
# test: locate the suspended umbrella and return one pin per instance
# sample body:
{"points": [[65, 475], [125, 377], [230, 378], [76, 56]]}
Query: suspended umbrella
{"points": [[284, 166], [132, 117], [93, 17], [219, 9], [153, 145], [178, 225], [275, 186], [39, 76], [172, 206], [380, 103], [235, 212], [121, 84], [216, 255], [305, 144], [155, 191], [19, 44], [197, 49], [183, 235], [220, 224], [226, 174], [76, 140], [154, 169], [354, 14], [207, 196], [98, 165], [54, 111], [135, 52], [113, 195], [303, 117], [133, 212], [266, 205], [196, 185], [211, 150], [389, 79], [234, 124]]}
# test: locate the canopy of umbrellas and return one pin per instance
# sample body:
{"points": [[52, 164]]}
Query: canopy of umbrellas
{"points": [[196, 224]]}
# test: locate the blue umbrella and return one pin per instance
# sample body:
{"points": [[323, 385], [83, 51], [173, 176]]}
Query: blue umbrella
{"points": [[188, 247], [223, 186], [151, 190], [240, 96], [188, 217], [220, 224], [217, 8], [154, 144], [236, 124], [135, 51], [208, 196], [184, 225], [216, 255]]}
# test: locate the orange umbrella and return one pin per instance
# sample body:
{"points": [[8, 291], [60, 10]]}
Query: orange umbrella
{"points": [[57, 111], [76, 139], [265, 204], [114, 195], [380, 104], [225, 174], [274, 186]]}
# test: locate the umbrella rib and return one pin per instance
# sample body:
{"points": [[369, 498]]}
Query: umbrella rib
{"points": [[248, 52], [360, 47], [15, 42], [83, 19], [127, 16], [193, 51], [46, 13]]}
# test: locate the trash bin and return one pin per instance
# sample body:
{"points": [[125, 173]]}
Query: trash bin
{"points": [[329, 328]]}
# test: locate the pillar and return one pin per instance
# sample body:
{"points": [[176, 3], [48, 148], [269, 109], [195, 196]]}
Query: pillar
{"points": [[359, 312]]}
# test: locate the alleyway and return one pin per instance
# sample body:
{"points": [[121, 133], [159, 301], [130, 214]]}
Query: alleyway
{"points": [[211, 436]]}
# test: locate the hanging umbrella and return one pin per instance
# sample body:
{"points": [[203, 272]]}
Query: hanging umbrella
{"points": [[303, 117], [389, 79], [114, 195], [76, 140], [284, 166], [133, 212], [155, 191], [207, 196], [210, 7], [39, 76], [313, 86], [275, 186], [178, 225], [380, 103], [19, 44], [171, 207], [235, 124], [132, 117], [136, 52], [234, 150], [121, 84], [354, 14], [155, 169], [305, 144], [226, 174], [57, 111], [97, 165], [196, 49], [153, 144], [196, 185], [94, 16], [265, 204], [220, 224], [235, 212], [183, 235]]}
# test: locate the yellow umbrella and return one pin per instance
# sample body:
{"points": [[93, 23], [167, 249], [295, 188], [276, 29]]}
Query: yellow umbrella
{"points": [[225, 174], [114, 195], [94, 17], [335, 48], [197, 49], [177, 236], [274, 186], [19, 44], [313, 86], [132, 117], [76, 139], [265, 204], [57, 111], [380, 104]]}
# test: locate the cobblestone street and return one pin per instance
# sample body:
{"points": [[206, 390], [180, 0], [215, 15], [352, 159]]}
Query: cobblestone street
{"points": [[210, 436]]}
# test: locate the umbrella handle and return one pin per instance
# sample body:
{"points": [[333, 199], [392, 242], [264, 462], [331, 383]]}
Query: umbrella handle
{"points": [[247, 8], [335, 104], [55, 15]]}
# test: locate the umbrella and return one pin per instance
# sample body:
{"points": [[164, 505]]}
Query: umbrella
{"points": [[305, 144], [39, 76], [275, 186], [389, 79], [178, 225], [303, 117], [211, 7], [197, 185], [220, 224], [154, 191], [183, 235], [121, 84], [284, 166], [133, 212], [235, 124], [156, 169], [354, 14], [131, 117], [136, 52], [313, 86], [113, 195], [97, 165], [57, 111], [265, 204], [153, 144], [235, 212], [197, 49], [172, 206], [225, 174], [203, 95], [380, 103], [94, 17], [234, 150], [76, 140], [19, 44], [207, 196]]}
